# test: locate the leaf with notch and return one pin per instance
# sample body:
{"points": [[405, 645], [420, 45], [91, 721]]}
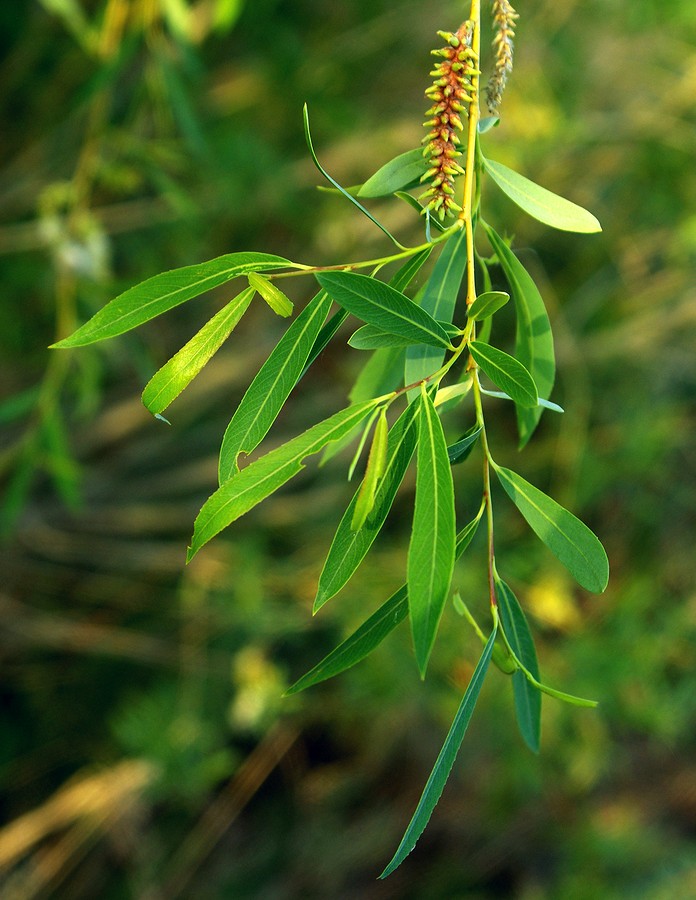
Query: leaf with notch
{"points": [[432, 546], [404, 171], [176, 374], [540, 203], [445, 761], [271, 387], [519, 637], [163, 292], [261, 478], [378, 304], [569, 539], [505, 371]]}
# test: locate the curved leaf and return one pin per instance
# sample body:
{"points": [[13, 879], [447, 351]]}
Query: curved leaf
{"points": [[401, 172], [569, 539], [163, 292], [169, 381], [486, 304], [371, 338], [540, 203], [376, 464], [505, 371]]}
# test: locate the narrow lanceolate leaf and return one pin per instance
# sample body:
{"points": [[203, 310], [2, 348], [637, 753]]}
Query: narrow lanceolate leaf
{"points": [[261, 478], [272, 385], [486, 304], [163, 292], [370, 338], [376, 464], [540, 203], [445, 760], [578, 548], [374, 630], [519, 637], [276, 299], [533, 339], [439, 299], [403, 171], [505, 371], [461, 449], [378, 304], [349, 547], [169, 381], [360, 644], [432, 546]]}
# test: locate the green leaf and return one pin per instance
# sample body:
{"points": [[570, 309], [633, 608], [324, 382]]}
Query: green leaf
{"points": [[360, 644], [276, 299], [444, 763], [547, 404], [432, 546], [376, 464], [403, 171], [505, 371], [460, 450], [486, 304], [261, 478], [533, 340], [371, 338], [380, 305], [272, 385], [176, 374], [519, 638], [349, 547], [163, 292], [569, 539], [541, 204], [439, 299], [315, 160], [414, 204]]}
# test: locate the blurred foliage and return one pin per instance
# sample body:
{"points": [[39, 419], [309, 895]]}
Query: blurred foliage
{"points": [[146, 751]]}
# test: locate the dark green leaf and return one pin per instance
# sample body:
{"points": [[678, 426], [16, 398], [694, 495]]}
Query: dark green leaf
{"points": [[569, 539], [486, 304], [261, 478], [176, 374], [163, 292], [505, 371], [540, 203], [378, 304], [272, 385], [519, 637], [432, 546], [445, 760], [401, 172], [370, 338], [460, 450], [349, 547], [533, 341]]}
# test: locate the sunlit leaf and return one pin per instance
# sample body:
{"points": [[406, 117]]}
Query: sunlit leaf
{"points": [[370, 338], [486, 304], [272, 385], [276, 299], [505, 371], [432, 546], [261, 478], [569, 539], [445, 760], [379, 304], [376, 464], [401, 172], [540, 203], [176, 374], [519, 637], [163, 292]]}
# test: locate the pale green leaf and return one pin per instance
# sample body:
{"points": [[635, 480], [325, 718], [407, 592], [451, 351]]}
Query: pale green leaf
{"points": [[505, 371], [163, 292], [176, 374], [272, 385], [519, 638], [486, 304], [533, 340], [379, 304], [261, 478], [401, 172], [444, 763], [540, 203], [376, 464], [569, 539], [274, 297], [432, 546]]}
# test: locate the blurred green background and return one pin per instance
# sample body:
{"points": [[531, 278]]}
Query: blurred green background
{"points": [[145, 749]]}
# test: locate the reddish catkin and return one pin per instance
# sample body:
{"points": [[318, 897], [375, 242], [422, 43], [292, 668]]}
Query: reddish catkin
{"points": [[504, 21], [451, 93]]}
